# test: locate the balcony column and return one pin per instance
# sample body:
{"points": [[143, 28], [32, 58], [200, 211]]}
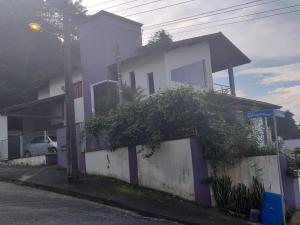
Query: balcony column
{"points": [[231, 81]]}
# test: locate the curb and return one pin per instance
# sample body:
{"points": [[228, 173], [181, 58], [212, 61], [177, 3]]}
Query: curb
{"points": [[95, 199]]}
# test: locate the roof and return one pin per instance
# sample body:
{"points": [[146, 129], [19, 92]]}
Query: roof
{"points": [[27, 105], [105, 13], [254, 103], [223, 52]]}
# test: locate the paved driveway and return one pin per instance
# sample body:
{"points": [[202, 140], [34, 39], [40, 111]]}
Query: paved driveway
{"points": [[20, 205]]}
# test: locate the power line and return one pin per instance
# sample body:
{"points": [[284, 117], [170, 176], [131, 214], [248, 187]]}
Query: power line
{"points": [[241, 21], [210, 12], [114, 6], [164, 7], [236, 17], [103, 3], [148, 3]]}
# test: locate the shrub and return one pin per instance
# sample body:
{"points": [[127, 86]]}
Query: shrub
{"points": [[180, 113]]}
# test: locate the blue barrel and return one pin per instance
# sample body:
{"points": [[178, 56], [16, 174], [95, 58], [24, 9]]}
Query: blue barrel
{"points": [[272, 213]]}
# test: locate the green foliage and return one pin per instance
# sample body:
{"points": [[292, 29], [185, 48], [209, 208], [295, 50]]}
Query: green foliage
{"points": [[237, 199], [261, 150], [257, 191], [287, 127], [222, 188], [161, 37], [180, 113]]}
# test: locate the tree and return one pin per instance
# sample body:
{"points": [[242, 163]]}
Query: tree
{"points": [[29, 58], [161, 36], [287, 127]]}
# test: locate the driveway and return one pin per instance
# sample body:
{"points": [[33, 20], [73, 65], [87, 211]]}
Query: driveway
{"points": [[20, 205]]}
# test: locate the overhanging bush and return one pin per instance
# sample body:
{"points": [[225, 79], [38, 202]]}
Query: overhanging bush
{"points": [[179, 113]]}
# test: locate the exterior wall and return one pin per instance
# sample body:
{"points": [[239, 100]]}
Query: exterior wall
{"points": [[34, 161], [162, 64], [292, 144], [98, 40], [169, 169], [143, 66], [107, 163], [188, 55], [3, 138], [56, 86], [265, 167]]}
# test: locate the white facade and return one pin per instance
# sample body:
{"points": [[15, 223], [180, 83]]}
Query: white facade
{"points": [[161, 65], [56, 86], [292, 144]]}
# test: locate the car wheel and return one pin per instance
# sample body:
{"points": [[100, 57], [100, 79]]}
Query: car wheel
{"points": [[53, 150], [27, 154]]}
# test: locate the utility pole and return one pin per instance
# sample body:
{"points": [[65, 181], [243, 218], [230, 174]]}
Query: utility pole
{"points": [[118, 63], [71, 143]]}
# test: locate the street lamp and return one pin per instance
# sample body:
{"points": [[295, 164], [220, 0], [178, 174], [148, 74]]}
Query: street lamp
{"points": [[71, 143]]}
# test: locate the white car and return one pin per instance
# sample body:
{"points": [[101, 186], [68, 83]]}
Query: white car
{"points": [[41, 145]]}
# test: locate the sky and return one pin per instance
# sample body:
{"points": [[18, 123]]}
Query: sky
{"points": [[272, 43]]}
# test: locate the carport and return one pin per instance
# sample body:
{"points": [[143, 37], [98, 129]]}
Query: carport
{"points": [[20, 122]]}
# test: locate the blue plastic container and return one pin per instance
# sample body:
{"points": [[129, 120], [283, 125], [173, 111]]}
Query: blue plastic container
{"points": [[271, 213]]}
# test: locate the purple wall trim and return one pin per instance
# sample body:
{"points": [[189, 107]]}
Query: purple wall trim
{"points": [[290, 187], [200, 173], [62, 153], [133, 166]]}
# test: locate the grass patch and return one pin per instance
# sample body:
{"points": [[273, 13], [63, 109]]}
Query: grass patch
{"points": [[127, 190]]}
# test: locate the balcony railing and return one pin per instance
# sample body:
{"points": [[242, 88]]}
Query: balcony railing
{"points": [[222, 89]]}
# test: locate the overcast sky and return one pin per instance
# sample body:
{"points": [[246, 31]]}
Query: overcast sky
{"points": [[273, 44]]}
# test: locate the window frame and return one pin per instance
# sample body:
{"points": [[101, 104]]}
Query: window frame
{"points": [[151, 83]]}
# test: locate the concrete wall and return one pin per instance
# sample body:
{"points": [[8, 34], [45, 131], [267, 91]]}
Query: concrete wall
{"points": [[170, 169], [3, 138], [98, 39], [142, 66], [265, 167], [42, 160], [177, 167], [107, 163], [163, 63], [188, 55]]}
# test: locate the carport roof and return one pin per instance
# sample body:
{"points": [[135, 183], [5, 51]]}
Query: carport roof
{"points": [[28, 105]]}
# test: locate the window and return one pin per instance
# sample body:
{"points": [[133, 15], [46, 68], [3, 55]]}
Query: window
{"points": [[37, 140], [106, 97], [151, 83], [192, 74], [77, 89], [132, 80]]}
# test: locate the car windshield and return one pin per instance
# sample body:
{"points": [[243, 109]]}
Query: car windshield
{"points": [[53, 138]]}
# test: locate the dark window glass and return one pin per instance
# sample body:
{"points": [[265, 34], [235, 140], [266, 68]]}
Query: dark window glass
{"points": [[37, 140], [132, 80], [151, 83], [193, 74], [53, 138]]}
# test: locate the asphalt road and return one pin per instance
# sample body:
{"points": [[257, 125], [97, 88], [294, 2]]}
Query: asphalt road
{"points": [[20, 205]]}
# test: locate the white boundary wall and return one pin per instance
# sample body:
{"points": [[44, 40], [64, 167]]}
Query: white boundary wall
{"points": [[169, 169], [31, 161], [265, 167], [107, 163]]}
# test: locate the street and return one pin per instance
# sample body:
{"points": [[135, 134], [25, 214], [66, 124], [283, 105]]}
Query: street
{"points": [[20, 205]]}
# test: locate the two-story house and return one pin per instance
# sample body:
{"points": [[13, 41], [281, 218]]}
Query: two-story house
{"points": [[104, 39]]}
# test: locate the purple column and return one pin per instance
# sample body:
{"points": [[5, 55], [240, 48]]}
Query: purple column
{"points": [[200, 173], [133, 166]]}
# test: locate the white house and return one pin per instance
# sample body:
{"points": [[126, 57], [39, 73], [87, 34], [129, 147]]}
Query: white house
{"points": [[153, 68]]}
